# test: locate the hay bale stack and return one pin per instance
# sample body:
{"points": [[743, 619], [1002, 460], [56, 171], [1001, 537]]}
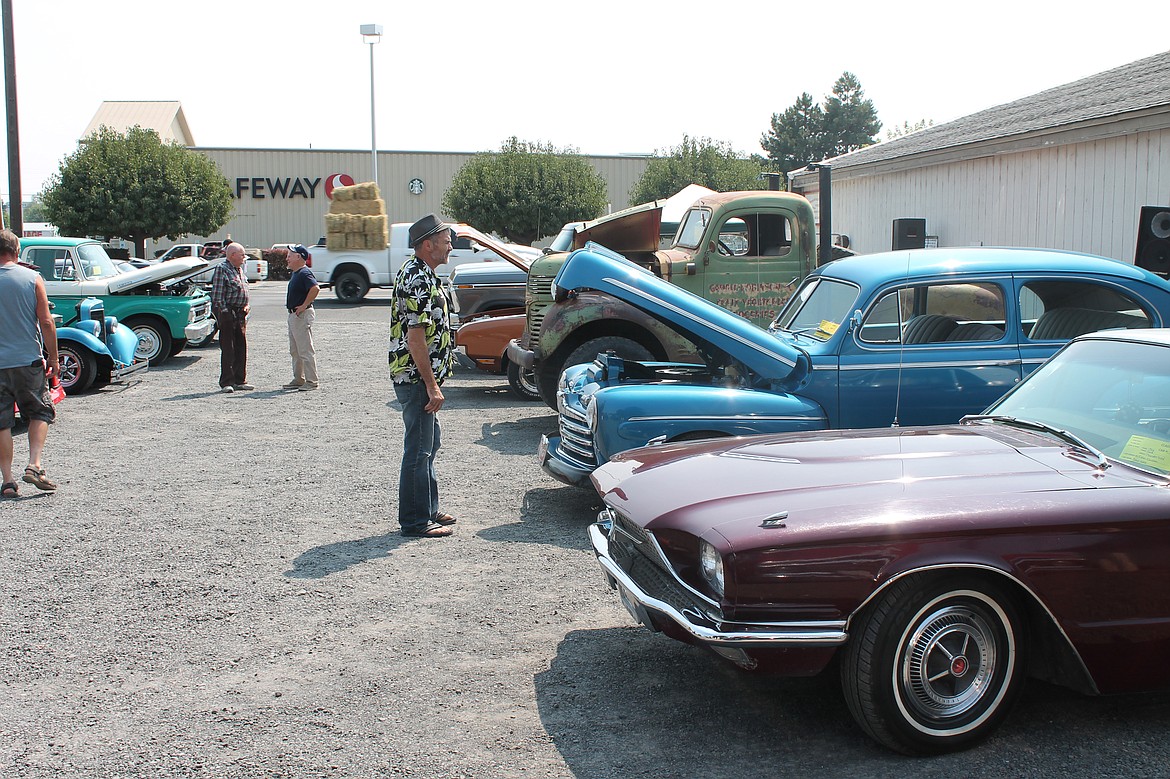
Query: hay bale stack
{"points": [[357, 219]]}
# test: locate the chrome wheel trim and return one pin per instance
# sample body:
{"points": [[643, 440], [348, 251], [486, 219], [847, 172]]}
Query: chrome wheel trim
{"points": [[931, 692], [70, 367], [149, 343]]}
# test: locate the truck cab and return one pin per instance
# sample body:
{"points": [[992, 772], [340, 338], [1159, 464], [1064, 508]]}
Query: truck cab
{"points": [[746, 251]]}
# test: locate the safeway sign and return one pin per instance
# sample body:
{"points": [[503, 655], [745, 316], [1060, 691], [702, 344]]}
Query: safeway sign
{"points": [[264, 188]]}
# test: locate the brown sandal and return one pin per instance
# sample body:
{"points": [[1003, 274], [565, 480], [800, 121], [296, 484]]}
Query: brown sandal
{"points": [[445, 519], [36, 477], [9, 490], [430, 530]]}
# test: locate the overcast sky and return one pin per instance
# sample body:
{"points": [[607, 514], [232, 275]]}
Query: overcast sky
{"points": [[602, 76]]}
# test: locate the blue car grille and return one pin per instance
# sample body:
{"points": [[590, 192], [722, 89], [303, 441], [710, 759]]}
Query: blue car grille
{"points": [[577, 440]]}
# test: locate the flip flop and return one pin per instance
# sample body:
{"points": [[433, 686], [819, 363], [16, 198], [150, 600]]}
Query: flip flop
{"points": [[444, 519], [36, 477], [431, 530], [9, 490]]}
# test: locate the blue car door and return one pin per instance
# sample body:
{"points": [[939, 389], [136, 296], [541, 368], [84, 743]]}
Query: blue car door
{"points": [[930, 352]]}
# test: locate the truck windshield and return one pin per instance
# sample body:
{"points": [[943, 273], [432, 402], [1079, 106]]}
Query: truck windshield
{"points": [[818, 308], [95, 263], [690, 232]]}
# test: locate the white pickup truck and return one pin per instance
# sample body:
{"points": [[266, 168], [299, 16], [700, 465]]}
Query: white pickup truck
{"points": [[351, 272], [255, 268]]}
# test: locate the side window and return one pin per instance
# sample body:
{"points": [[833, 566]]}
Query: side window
{"points": [[937, 313], [756, 235], [1062, 310], [461, 242], [53, 264]]}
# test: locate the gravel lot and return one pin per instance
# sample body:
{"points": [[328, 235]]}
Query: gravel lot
{"points": [[219, 590]]}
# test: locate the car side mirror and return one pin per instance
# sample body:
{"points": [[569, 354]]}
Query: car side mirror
{"points": [[855, 320]]}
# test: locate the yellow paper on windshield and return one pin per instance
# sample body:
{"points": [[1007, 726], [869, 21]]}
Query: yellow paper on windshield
{"points": [[1150, 452], [827, 327]]}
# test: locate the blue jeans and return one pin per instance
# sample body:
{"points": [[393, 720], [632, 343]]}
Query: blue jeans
{"points": [[418, 490]]}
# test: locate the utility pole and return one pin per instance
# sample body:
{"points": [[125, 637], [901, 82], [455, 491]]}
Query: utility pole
{"points": [[15, 217]]}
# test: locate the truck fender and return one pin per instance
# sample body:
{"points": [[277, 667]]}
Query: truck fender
{"points": [[630, 416], [589, 314]]}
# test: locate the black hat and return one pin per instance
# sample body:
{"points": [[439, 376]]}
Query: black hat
{"points": [[425, 228], [301, 250]]}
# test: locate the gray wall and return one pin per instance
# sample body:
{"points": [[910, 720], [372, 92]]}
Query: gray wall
{"points": [[264, 215]]}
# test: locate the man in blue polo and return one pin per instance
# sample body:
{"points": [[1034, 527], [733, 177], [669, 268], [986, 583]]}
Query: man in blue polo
{"points": [[302, 291]]}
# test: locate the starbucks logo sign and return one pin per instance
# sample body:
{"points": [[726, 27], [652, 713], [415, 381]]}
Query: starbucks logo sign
{"points": [[416, 186]]}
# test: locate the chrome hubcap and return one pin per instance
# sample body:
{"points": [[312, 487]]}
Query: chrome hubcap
{"points": [[148, 343], [949, 663]]}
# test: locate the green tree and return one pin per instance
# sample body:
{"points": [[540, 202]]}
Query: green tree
{"points": [[806, 132], [713, 164], [525, 191], [134, 186]]}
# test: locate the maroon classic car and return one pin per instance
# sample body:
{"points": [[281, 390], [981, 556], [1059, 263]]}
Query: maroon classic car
{"points": [[941, 564]]}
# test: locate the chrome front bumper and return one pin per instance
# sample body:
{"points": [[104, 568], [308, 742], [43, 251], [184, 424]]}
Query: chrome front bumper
{"points": [[709, 631], [197, 330], [555, 466], [123, 372]]}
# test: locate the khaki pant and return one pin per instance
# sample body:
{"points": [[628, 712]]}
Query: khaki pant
{"points": [[300, 346]]}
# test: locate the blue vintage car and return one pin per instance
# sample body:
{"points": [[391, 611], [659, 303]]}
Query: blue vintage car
{"points": [[894, 339], [95, 349]]}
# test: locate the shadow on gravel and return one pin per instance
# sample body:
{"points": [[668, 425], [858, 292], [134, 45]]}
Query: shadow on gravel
{"points": [[520, 436], [320, 561], [555, 516], [627, 702], [179, 362]]}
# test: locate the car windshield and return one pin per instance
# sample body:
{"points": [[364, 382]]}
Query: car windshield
{"points": [[818, 308], [1113, 395], [690, 232], [95, 263], [564, 240]]}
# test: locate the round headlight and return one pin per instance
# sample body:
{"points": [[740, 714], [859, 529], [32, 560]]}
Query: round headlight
{"points": [[712, 566]]}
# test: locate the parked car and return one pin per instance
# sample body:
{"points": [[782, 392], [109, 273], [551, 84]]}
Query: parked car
{"points": [[902, 338], [255, 266], [478, 287], [939, 565], [158, 303], [96, 349], [483, 341]]}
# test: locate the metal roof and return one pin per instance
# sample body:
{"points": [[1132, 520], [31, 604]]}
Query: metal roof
{"points": [[1143, 85], [163, 116]]}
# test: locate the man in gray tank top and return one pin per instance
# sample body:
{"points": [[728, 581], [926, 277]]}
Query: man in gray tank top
{"points": [[25, 325]]}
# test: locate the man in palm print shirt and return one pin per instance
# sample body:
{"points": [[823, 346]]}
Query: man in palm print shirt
{"points": [[421, 357]]}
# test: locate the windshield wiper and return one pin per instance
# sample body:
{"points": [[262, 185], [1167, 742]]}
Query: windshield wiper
{"points": [[1028, 424]]}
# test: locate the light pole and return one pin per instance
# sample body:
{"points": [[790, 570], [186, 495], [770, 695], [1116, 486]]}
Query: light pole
{"points": [[371, 34]]}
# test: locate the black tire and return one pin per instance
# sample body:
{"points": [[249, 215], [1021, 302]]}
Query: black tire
{"points": [[934, 667], [351, 287], [154, 339], [178, 345], [522, 382], [78, 367], [199, 343]]}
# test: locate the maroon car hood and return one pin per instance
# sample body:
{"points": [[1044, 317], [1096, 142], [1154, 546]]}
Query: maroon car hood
{"points": [[831, 483]]}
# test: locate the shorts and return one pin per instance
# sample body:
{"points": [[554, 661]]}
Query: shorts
{"points": [[28, 388]]}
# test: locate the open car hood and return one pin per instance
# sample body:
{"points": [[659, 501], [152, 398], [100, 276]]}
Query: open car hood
{"points": [[156, 274], [469, 232], [635, 229], [700, 320]]}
